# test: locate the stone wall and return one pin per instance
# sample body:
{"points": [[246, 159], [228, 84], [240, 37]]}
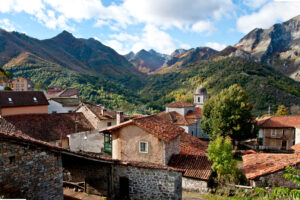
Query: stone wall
{"points": [[190, 184], [95, 174], [28, 171], [148, 184], [275, 179]]}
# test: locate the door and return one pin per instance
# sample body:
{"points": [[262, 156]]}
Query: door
{"points": [[283, 145], [124, 187]]}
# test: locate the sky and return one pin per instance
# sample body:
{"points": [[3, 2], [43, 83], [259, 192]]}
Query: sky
{"points": [[132, 25]]}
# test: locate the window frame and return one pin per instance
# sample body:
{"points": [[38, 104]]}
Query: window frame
{"points": [[146, 147]]}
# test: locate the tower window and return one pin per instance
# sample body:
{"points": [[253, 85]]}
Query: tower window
{"points": [[198, 99]]}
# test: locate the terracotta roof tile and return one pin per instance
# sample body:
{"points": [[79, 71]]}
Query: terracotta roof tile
{"points": [[55, 89], [179, 104], [194, 114], [279, 122], [296, 147], [46, 127], [153, 124], [192, 145], [22, 98], [260, 164], [194, 166], [176, 118]]}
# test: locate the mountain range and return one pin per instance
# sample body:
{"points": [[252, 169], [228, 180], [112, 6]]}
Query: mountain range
{"points": [[264, 62]]}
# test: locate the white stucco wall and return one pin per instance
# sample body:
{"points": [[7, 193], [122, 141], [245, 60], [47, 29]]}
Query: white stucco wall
{"points": [[297, 135], [190, 184], [58, 108], [89, 141]]}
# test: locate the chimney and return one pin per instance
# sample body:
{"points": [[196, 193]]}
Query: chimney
{"points": [[103, 110], [120, 117]]}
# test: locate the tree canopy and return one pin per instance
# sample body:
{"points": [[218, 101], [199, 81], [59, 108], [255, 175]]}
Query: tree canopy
{"points": [[229, 114]]}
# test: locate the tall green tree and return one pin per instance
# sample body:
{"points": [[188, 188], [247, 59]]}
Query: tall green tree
{"points": [[282, 110], [229, 114], [220, 152]]}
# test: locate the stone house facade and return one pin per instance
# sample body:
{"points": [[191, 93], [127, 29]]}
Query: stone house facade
{"points": [[147, 144], [279, 133], [29, 170]]}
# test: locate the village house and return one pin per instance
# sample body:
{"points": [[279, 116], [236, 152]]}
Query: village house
{"points": [[25, 102], [38, 170], [155, 140], [62, 101], [267, 169], [278, 132], [51, 128], [21, 84]]}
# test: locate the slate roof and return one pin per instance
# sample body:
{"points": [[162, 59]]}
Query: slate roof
{"points": [[67, 102], [192, 145], [153, 124], [176, 118], [279, 122], [194, 166], [256, 165], [46, 127], [69, 92], [22, 98], [179, 104]]}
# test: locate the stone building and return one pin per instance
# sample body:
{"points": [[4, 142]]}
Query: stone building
{"points": [[21, 84], [155, 140], [200, 96], [17, 103], [278, 132], [185, 115], [29, 169], [266, 169]]}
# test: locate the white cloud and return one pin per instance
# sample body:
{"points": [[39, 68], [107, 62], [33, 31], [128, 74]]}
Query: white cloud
{"points": [[203, 26], [6, 24], [153, 38], [268, 15], [117, 46], [124, 37], [254, 4], [215, 45]]}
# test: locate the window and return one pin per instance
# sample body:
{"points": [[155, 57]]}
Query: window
{"points": [[35, 99], [273, 133], [143, 147], [198, 99], [10, 100], [108, 123]]}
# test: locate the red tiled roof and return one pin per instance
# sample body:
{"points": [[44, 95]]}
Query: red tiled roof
{"points": [[22, 98], [97, 110], [46, 127], [153, 124], [194, 114], [194, 166], [280, 122], [179, 104], [55, 89], [176, 118], [296, 147], [192, 145], [147, 165], [261, 164]]}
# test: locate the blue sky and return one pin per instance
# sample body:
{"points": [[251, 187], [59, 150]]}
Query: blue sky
{"points": [[131, 25]]}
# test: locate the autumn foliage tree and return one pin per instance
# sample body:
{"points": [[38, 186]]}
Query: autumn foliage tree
{"points": [[282, 110]]}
